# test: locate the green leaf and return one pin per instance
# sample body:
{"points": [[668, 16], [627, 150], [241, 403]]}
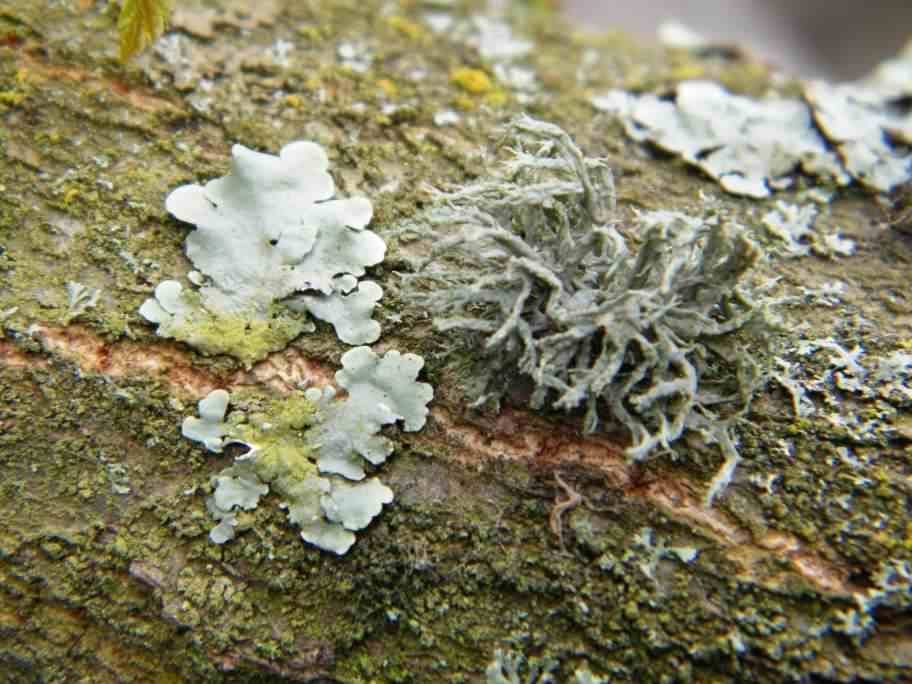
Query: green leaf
{"points": [[140, 23]]}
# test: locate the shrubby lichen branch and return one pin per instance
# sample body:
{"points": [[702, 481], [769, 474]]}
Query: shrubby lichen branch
{"points": [[540, 271]]}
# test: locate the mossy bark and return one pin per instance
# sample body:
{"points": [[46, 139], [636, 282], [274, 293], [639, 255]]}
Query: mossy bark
{"points": [[509, 531]]}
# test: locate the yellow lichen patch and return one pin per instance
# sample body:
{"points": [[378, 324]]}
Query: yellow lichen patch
{"points": [[387, 87], [70, 196], [687, 71], [465, 103], [10, 98], [294, 101], [283, 456], [406, 27], [246, 339], [497, 98], [474, 81], [310, 33]]}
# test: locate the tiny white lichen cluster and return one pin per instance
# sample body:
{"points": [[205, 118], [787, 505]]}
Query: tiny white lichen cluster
{"points": [[792, 227], [646, 552], [513, 668], [267, 232], [753, 147], [299, 447], [849, 378], [890, 590], [80, 299]]}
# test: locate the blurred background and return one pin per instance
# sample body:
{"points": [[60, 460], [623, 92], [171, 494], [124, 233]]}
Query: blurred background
{"points": [[832, 39]]}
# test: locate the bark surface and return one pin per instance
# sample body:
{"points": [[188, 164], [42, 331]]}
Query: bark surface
{"points": [[510, 530]]}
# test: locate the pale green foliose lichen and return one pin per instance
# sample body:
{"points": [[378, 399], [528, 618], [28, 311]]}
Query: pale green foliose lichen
{"points": [[269, 230], [180, 314], [210, 428], [871, 127], [381, 391], [299, 446]]}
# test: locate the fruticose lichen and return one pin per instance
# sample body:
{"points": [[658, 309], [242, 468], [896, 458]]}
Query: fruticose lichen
{"points": [[298, 445], [265, 232], [540, 272]]}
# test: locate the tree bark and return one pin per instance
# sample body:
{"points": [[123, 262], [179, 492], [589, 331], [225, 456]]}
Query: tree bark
{"points": [[510, 530]]}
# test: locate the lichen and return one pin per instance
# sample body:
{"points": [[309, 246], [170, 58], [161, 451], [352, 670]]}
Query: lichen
{"points": [[514, 668], [182, 315], [297, 444], [539, 273], [81, 299], [753, 146], [869, 122], [381, 391], [268, 230], [749, 146]]}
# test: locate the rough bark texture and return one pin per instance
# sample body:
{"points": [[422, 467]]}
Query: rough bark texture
{"points": [[509, 531]]}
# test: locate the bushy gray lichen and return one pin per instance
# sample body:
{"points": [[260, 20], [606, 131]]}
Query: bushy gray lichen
{"points": [[539, 271]]}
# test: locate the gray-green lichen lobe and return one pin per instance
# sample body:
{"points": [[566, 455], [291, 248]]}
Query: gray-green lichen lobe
{"points": [[107, 586]]}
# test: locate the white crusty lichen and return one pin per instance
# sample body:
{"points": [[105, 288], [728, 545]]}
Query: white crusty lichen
{"points": [[754, 146], [538, 271], [860, 395], [270, 230], [749, 146], [792, 227], [310, 448]]}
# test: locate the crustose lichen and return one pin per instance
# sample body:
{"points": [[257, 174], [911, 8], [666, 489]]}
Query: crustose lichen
{"points": [[539, 269]]}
